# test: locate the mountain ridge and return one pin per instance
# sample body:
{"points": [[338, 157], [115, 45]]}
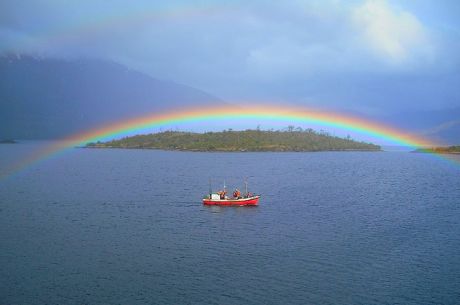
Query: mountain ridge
{"points": [[43, 98]]}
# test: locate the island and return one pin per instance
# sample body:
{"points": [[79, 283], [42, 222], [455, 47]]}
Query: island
{"points": [[250, 140], [440, 150]]}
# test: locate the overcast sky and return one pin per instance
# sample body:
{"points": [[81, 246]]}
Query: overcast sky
{"points": [[371, 56]]}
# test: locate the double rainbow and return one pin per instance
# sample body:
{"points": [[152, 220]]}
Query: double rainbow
{"points": [[256, 114], [93, 28]]}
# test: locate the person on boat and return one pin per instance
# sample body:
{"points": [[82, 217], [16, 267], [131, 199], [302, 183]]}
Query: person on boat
{"points": [[222, 194], [237, 194]]}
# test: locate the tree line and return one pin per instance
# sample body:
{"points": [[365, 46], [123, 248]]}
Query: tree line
{"points": [[289, 139]]}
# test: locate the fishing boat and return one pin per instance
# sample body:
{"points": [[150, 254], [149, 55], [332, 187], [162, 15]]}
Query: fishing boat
{"points": [[214, 199], [221, 198]]}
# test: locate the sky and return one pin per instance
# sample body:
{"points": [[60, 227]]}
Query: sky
{"points": [[374, 57]]}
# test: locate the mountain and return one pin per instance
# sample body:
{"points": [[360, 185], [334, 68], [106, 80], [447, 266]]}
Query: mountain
{"points": [[51, 98], [442, 126], [439, 125]]}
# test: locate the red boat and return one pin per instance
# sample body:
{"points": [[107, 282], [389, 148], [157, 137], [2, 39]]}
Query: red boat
{"points": [[215, 200], [221, 198]]}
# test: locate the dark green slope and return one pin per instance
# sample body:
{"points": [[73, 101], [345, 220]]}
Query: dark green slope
{"points": [[248, 140]]}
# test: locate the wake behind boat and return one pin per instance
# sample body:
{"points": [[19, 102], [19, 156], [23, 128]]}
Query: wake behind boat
{"points": [[221, 198]]}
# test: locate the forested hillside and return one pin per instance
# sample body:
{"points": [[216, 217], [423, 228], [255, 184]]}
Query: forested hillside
{"points": [[247, 140]]}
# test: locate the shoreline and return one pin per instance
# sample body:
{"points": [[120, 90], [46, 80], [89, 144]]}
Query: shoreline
{"points": [[232, 151], [437, 152]]}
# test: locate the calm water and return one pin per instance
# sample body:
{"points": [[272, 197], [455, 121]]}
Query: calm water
{"points": [[128, 227]]}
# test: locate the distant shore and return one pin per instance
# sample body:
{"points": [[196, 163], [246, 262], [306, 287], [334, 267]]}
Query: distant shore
{"points": [[290, 140], [8, 141], [232, 151], [455, 150]]}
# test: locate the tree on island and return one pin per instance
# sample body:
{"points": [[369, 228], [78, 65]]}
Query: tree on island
{"points": [[291, 139]]}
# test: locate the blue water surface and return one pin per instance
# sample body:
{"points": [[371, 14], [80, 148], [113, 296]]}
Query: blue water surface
{"points": [[113, 226]]}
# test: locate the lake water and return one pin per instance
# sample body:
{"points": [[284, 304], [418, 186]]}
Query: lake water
{"points": [[128, 227]]}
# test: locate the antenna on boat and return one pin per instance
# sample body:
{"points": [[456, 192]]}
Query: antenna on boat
{"points": [[246, 186], [210, 188], [225, 187]]}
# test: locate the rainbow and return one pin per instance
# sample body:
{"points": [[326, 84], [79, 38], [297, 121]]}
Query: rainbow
{"points": [[257, 113]]}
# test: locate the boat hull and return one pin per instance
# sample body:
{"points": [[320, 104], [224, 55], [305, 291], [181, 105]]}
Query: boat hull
{"points": [[252, 201]]}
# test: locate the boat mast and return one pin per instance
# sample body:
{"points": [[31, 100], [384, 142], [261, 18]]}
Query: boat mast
{"points": [[210, 188], [246, 186]]}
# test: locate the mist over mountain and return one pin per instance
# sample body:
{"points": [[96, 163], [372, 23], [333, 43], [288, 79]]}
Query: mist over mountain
{"points": [[52, 98], [442, 126]]}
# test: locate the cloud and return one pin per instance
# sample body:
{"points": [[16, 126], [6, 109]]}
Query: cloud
{"points": [[393, 34], [361, 54]]}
